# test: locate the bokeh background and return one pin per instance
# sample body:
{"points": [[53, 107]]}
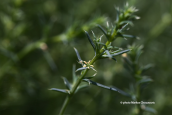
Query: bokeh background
{"points": [[36, 49]]}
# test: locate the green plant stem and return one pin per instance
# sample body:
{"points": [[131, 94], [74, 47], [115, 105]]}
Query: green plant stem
{"points": [[79, 80], [140, 111]]}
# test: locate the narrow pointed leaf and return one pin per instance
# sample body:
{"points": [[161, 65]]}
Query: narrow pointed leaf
{"points": [[125, 22], [60, 90], [82, 68], [145, 68], [122, 92], [104, 32], [123, 27], [77, 53], [66, 82], [105, 87], [101, 43], [117, 14], [119, 53], [130, 36], [113, 58], [145, 80], [91, 42]]}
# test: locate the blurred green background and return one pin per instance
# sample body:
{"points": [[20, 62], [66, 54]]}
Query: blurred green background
{"points": [[36, 49]]}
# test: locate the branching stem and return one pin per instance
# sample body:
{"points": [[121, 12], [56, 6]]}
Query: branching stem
{"points": [[79, 80]]}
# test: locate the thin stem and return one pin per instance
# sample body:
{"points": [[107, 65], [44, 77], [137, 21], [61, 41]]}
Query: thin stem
{"points": [[140, 111]]}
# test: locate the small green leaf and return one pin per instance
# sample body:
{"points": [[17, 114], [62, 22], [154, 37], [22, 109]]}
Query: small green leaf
{"points": [[145, 68], [82, 68], [145, 79], [60, 90], [139, 52], [66, 82], [120, 30], [106, 87], [77, 53], [91, 42], [100, 43], [121, 52], [130, 36], [104, 32], [117, 13], [125, 22]]}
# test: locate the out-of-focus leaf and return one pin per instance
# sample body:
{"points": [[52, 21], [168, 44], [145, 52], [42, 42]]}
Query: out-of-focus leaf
{"points": [[123, 27], [100, 43], [146, 67], [106, 87], [60, 90], [127, 22], [66, 82], [139, 52], [91, 42], [145, 80], [122, 92], [117, 13], [130, 36], [149, 109], [82, 68]]}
